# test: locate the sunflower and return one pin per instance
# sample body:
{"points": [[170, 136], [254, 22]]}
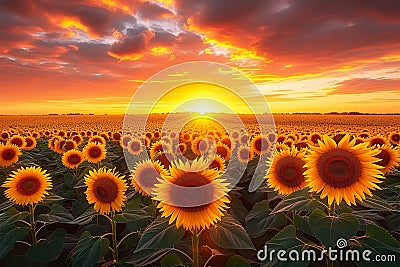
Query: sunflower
{"points": [[145, 141], [17, 140], [281, 138], [125, 141], [165, 159], [69, 145], [158, 147], [135, 147], [342, 171], [97, 139], [218, 163], [106, 189], [200, 145], [226, 141], [314, 137], [286, 171], [260, 145], [145, 175], [30, 143], [9, 155], [192, 196], [116, 137], [394, 137], [35, 135], [77, 139], [245, 154], [224, 151], [390, 158], [181, 148], [244, 139], [59, 146], [4, 135], [94, 152], [280, 146], [72, 159], [27, 185], [378, 141]]}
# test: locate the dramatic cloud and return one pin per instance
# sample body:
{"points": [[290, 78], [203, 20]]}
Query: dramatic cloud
{"points": [[79, 48], [363, 85]]}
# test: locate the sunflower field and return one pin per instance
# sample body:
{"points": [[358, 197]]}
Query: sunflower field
{"points": [[316, 183]]}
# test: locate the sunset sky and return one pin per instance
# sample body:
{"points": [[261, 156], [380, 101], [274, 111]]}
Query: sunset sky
{"points": [[305, 56]]}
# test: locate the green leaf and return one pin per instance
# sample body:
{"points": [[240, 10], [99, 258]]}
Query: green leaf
{"points": [[237, 261], [258, 177], [48, 249], [6, 205], [302, 224], [299, 200], [147, 256], [12, 216], [171, 260], [229, 233], [328, 229], [260, 219], [159, 234], [132, 213], [379, 241], [57, 214], [377, 203], [8, 236], [85, 217], [285, 240], [89, 250], [393, 222], [238, 210], [51, 197]]}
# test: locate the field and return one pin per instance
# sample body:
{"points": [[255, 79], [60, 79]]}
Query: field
{"points": [[88, 190]]}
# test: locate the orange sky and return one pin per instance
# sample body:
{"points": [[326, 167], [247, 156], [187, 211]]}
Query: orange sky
{"points": [[305, 56]]}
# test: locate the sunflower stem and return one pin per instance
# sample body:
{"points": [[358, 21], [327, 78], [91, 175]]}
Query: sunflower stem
{"points": [[32, 217], [195, 247], [114, 236]]}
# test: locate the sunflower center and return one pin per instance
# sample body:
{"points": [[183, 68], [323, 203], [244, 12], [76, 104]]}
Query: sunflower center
{"points": [[192, 191], [105, 190], [290, 171], [377, 141], [396, 137], [135, 146], [215, 164], [74, 159], [339, 168], [8, 154], [244, 154], [29, 142], [191, 179], [95, 152], [148, 177], [28, 186], [385, 158], [126, 141], [222, 151], [69, 145], [18, 142], [202, 146], [315, 138]]}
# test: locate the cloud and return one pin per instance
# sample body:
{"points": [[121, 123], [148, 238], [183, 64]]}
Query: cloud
{"points": [[365, 85], [131, 47]]}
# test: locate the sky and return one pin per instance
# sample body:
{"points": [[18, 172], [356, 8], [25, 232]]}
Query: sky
{"points": [[304, 56]]}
